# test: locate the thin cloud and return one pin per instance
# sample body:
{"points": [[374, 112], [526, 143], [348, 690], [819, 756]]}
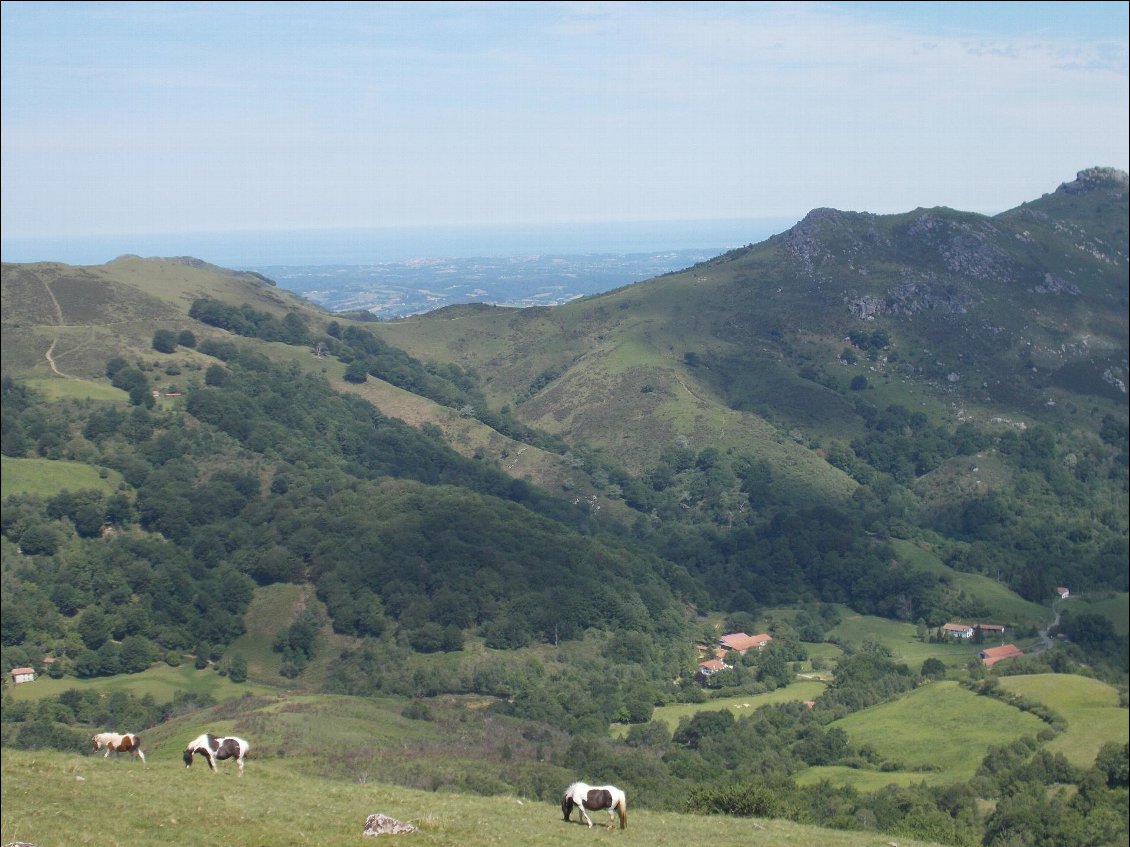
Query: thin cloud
{"points": [[261, 115]]}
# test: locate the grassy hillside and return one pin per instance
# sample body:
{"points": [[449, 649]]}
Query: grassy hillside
{"points": [[621, 384], [746, 349], [1001, 606], [68, 321], [1114, 607], [1090, 707], [738, 704], [57, 800], [941, 730], [44, 477], [486, 543], [902, 640], [160, 682]]}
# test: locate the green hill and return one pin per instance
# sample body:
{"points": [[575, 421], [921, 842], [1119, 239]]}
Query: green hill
{"points": [[1091, 708], [58, 800], [469, 542]]}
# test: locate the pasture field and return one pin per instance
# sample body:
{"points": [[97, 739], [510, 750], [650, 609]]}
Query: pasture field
{"points": [[902, 640], [63, 800], [54, 388], [866, 781], [161, 682], [822, 650], [739, 704], [272, 609], [1089, 706], [47, 477], [939, 731]]}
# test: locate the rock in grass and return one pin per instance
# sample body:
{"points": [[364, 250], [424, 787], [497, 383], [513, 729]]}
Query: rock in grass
{"points": [[379, 824]]}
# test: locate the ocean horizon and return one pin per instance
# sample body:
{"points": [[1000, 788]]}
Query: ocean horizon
{"points": [[256, 249]]}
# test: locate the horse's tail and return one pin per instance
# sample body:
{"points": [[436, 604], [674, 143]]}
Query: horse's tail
{"points": [[623, 809], [137, 747]]}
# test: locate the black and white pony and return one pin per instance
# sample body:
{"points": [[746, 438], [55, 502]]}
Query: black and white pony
{"points": [[217, 748], [594, 798]]}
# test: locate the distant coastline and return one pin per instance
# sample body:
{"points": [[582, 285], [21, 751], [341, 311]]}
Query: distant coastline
{"points": [[254, 250]]}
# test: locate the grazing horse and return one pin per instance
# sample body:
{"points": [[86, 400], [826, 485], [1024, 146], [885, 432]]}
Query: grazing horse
{"points": [[217, 747], [593, 798], [118, 743]]}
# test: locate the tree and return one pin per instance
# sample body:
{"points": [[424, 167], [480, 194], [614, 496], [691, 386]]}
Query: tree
{"points": [[165, 341], [237, 668], [136, 653], [934, 668], [357, 371], [94, 627], [40, 540]]}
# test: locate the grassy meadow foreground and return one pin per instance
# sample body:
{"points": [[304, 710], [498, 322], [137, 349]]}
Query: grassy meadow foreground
{"points": [[60, 800]]}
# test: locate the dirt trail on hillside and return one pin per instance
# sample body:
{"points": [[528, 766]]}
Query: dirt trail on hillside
{"points": [[51, 361], [59, 321]]}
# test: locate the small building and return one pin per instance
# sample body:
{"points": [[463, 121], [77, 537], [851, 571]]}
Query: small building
{"points": [[740, 642], [712, 666], [957, 630], [21, 675], [991, 655], [1062, 592], [990, 628]]}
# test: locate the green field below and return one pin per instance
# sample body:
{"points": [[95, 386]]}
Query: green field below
{"points": [[47, 477], [940, 731], [70, 388], [62, 800], [161, 682], [902, 640], [740, 704], [1089, 706], [864, 780]]}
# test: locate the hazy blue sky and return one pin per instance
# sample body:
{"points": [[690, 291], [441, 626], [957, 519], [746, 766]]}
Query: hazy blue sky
{"points": [[216, 116]]}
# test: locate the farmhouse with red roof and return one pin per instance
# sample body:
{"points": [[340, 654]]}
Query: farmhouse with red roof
{"points": [[991, 655], [740, 642]]}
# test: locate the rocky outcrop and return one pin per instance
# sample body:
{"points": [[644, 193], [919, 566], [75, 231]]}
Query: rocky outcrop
{"points": [[968, 248], [1093, 179], [922, 294], [824, 233], [1053, 284]]}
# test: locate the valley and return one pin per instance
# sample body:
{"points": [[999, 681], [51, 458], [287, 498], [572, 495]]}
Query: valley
{"points": [[460, 559]]}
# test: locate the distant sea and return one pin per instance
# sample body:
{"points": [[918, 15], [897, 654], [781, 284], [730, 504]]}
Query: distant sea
{"points": [[254, 250]]}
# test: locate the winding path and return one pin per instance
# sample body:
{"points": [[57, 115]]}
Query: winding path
{"points": [[58, 322], [1046, 640]]}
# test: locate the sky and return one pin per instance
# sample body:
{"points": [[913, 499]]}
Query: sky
{"points": [[134, 118]]}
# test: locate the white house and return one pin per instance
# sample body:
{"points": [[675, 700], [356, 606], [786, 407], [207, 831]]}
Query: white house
{"points": [[957, 630]]}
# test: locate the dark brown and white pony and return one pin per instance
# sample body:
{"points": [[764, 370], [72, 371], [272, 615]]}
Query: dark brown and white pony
{"points": [[594, 798], [118, 743], [217, 748]]}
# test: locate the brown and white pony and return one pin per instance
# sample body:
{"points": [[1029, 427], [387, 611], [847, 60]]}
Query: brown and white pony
{"points": [[594, 798], [118, 743], [217, 748]]}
